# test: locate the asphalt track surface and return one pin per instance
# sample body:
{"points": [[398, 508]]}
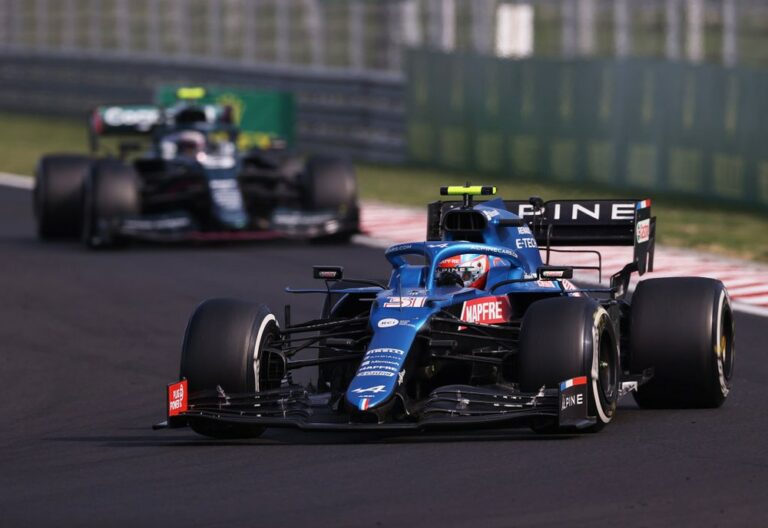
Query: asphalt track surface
{"points": [[89, 340]]}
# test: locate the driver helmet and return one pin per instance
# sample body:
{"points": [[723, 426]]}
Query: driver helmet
{"points": [[473, 269], [188, 142]]}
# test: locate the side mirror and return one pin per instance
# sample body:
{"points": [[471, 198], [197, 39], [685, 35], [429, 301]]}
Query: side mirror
{"points": [[555, 272], [327, 272]]}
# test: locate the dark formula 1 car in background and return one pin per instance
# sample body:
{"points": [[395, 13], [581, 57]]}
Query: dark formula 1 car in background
{"points": [[191, 183], [473, 329]]}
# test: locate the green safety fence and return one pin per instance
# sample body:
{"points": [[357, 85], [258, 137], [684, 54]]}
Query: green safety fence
{"points": [[637, 124], [263, 116]]}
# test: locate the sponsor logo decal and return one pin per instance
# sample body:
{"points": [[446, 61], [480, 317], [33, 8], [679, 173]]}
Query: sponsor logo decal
{"points": [[373, 390], [388, 323], [226, 194], [405, 302], [581, 380], [587, 211], [523, 243], [571, 401], [401, 247], [643, 230], [475, 248], [546, 284], [487, 310], [141, 118], [379, 366], [525, 230], [381, 362], [572, 398], [385, 351], [177, 398]]}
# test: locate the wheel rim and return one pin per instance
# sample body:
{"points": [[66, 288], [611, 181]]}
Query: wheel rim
{"points": [[725, 351], [606, 373]]}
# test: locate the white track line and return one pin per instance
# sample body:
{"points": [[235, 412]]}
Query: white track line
{"points": [[14, 180], [386, 224]]}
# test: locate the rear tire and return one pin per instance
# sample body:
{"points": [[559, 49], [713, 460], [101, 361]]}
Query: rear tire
{"points": [[223, 348], [111, 193], [683, 328], [58, 195], [331, 184], [563, 338]]}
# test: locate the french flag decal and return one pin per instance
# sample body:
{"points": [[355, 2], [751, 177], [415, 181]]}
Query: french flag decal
{"points": [[645, 203], [364, 404], [581, 380]]}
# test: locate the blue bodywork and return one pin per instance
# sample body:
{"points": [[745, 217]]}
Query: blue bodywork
{"points": [[400, 312]]}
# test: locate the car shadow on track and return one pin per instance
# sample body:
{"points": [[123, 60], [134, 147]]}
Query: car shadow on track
{"points": [[136, 437], [274, 437]]}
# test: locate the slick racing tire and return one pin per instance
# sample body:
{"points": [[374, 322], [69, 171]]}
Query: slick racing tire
{"points": [[223, 347], [58, 195], [111, 193], [563, 338], [683, 329], [330, 184]]}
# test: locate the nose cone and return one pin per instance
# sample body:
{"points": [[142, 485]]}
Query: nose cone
{"points": [[376, 378], [381, 371]]}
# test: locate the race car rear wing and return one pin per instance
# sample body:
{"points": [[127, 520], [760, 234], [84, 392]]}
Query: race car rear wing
{"points": [[620, 222], [142, 120], [125, 119]]}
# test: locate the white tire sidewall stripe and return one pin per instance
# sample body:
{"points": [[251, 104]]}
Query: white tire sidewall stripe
{"points": [[720, 354], [259, 337], [599, 313]]}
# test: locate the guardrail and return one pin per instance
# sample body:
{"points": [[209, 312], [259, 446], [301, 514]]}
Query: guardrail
{"points": [[359, 115]]}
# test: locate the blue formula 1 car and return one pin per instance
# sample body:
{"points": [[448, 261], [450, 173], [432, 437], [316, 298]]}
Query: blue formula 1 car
{"points": [[473, 329], [182, 176]]}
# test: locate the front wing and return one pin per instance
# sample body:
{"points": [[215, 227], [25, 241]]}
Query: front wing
{"points": [[182, 227], [449, 407]]}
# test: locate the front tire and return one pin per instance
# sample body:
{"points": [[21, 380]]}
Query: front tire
{"points": [[58, 195], [683, 328], [110, 194], [223, 347], [563, 338]]}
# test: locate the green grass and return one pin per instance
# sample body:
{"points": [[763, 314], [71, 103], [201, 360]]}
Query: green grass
{"points": [[23, 139], [729, 232]]}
